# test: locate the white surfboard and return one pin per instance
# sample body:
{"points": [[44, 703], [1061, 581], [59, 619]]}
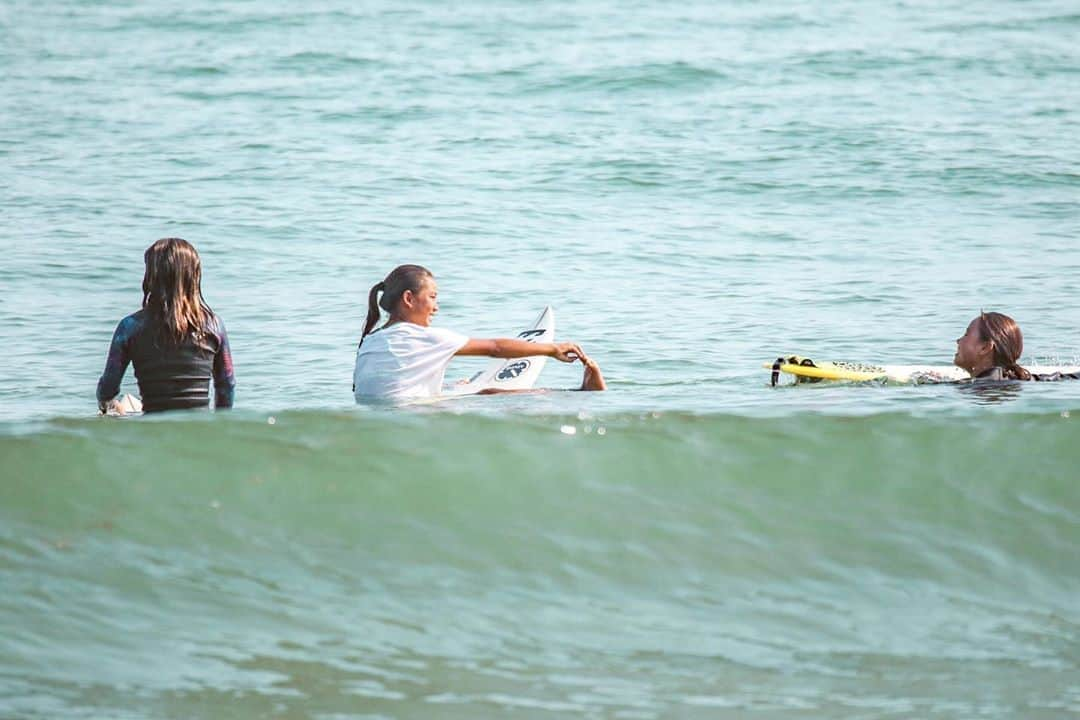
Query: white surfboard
{"points": [[513, 373], [806, 370], [126, 404]]}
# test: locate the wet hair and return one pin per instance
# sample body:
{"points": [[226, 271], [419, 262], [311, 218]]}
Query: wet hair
{"points": [[1003, 332], [400, 279], [172, 291]]}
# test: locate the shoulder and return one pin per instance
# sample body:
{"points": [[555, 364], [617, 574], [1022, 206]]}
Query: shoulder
{"points": [[131, 325], [418, 332], [376, 339], [1055, 376], [405, 337], [442, 337], [404, 332], [443, 333], [214, 323]]}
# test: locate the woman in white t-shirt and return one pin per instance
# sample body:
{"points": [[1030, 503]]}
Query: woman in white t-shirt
{"points": [[406, 358]]}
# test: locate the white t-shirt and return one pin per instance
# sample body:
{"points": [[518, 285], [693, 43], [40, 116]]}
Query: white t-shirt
{"points": [[404, 361]]}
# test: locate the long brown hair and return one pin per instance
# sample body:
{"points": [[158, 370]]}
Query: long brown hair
{"points": [[400, 279], [172, 290], [1003, 332]]}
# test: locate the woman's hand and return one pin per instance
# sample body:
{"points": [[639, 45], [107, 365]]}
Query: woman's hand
{"points": [[566, 352], [592, 379], [112, 407]]}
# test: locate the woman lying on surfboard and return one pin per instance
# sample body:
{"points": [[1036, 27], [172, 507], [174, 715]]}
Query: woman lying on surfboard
{"points": [[406, 358], [175, 341], [991, 350]]}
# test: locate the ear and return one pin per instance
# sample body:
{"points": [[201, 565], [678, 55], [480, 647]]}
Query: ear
{"points": [[408, 298]]}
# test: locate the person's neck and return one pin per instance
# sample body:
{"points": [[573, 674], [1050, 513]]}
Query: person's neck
{"points": [[980, 368], [395, 319]]}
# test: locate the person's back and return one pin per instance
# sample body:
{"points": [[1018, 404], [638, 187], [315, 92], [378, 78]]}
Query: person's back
{"points": [[171, 377], [1000, 374], [404, 360], [176, 342]]}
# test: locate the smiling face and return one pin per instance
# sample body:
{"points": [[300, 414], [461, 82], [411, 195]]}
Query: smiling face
{"points": [[972, 352], [419, 307]]}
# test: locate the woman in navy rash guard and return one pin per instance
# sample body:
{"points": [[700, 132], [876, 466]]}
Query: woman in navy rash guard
{"points": [[175, 342], [990, 350]]}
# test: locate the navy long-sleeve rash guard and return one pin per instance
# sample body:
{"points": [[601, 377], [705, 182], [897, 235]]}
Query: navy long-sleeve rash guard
{"points": [[169, 377]]}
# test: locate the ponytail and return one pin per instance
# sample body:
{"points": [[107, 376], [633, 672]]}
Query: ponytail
{"points": [[400, 279], [372, 308], [1014, 372]]}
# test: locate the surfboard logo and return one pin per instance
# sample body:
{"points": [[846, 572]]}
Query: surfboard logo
{"points": [[531, 335], [513, 370]]}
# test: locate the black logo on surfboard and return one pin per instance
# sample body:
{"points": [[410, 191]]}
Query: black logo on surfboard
{"points": [[531, 335], [513, 370]]}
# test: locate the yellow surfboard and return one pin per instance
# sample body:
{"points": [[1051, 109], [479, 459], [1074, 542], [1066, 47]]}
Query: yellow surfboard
{"points": [[806, 370]]}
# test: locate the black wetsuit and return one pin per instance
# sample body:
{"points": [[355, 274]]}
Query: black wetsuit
{"points": [[999, 373], [170, 377]]}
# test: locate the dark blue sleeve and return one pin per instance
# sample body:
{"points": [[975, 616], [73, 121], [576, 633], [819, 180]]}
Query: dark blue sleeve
{"points": [[224, 378], [117, 361], [1055, 377]]}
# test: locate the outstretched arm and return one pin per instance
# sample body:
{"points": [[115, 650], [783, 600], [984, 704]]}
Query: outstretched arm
{"points": [[593, 379], [513, 348], [116, 364]]}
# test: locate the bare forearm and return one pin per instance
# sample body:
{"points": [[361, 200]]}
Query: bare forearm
{"points": [[513, 348], [506, 348]]}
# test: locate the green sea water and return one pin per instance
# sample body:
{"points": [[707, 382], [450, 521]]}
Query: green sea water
{"points": [[441, 565], [696, 188]]}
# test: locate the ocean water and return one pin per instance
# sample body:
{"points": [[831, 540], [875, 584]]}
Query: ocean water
{"points": [[696, 188]]}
